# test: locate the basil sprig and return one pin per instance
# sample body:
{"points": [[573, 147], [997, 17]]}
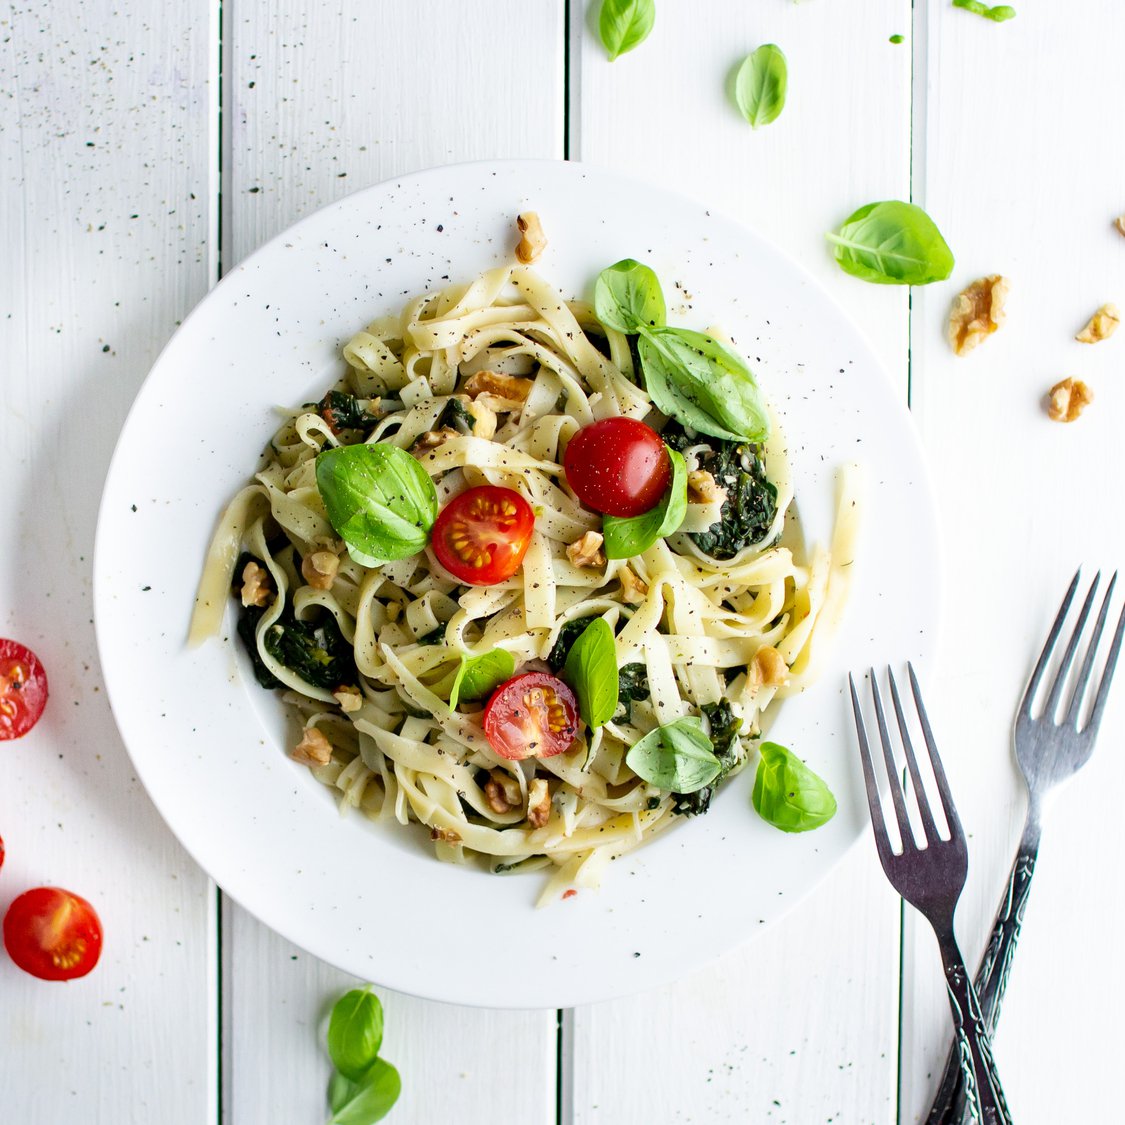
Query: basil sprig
{"points": [[676, 757], [478, 675], [892, 243], [379, 500], [787, 794], [625, 24], [627, 536], [591, 670], [364, 1087], [690, 375], [760, 85]]}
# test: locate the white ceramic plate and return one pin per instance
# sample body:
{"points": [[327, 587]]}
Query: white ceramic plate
{"points": [[209, 743]]}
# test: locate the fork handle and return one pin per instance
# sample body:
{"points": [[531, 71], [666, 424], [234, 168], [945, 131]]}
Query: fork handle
{"points": [[983, 1096], [995, 966]]}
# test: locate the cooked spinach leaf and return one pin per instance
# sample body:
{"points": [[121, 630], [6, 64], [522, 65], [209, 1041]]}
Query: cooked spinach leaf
{"points": [[315, 649], [749, 510], [722, 724], [343, 411], [632, 684], [568, 634], [456, 416], [434, 636]]}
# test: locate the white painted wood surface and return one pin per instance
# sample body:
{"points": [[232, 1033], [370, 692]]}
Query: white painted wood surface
{"points": [[109, 193]]}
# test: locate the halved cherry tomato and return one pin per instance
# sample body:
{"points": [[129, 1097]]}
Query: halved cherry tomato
{"points": [[23, 689], [481, 536], [1, 852], [53, 934], [531, 716], [618, 466]]}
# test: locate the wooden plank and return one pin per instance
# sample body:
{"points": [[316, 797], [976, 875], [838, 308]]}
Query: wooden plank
{"points": [[801, 1025], [320, 104], [1024, 182], [106, 157]]}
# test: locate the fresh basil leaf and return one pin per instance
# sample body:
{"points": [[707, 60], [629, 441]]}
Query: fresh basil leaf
{"points": [[626, 536], [591, 669], [760, 85], [787, 794], [379, 500], [341, 1090], [693, 378], [374, 1095], [628, 297], [625, 24], [892, 243], [478, 675], [355, 1032], [676, 757]]}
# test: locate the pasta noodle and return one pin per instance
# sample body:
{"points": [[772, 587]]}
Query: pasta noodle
{"points": [[690, 626]]}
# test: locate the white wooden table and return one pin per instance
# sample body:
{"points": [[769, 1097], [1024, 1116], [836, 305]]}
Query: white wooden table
{"points": [[131, 176]]}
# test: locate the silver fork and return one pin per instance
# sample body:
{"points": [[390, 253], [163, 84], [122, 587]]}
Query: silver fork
{"points": [[931, 878], [1048, 750]]}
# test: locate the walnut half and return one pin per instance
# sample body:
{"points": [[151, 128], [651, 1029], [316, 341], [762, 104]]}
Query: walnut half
{"points": [[977, 312], [256, 586], [313, 749], [586, 550], [538, 802], [1066, 400], [532, 239], [1100, 326], [319, 569]]}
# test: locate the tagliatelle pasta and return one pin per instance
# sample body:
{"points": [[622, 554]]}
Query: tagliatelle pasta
{"points": [[486, 383]]}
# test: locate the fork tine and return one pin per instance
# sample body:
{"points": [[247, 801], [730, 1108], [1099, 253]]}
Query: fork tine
{"points": [[951, 817], [882, 839], [1107, 678], [912, 764], [1071, 718], [895, 782], [1068, 653], [1048, 648]]}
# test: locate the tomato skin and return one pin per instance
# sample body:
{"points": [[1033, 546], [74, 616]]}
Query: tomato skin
{"points": [[618, 466], [531, 716], [53, 934], [23, 689], [482, 535]]}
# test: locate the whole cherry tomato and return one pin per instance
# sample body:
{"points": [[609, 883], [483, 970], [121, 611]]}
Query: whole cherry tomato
{"points": [[618, 466]]}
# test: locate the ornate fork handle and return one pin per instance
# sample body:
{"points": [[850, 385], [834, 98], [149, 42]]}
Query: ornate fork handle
{"points": [[950, 1105], [984, 1098]]}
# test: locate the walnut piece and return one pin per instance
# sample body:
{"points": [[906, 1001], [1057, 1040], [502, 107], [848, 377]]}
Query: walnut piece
{"points": [[349, 698], [431, 439], [633, 588], [313, 749], [256, 586], [1066, 400], [319, 569], [445, 835], [1119, 222], [532, 239], [1100, 326], [538, 802], [977, 312], [768, 668], [502, 791], [586, 550], [514, 388], [702, 488]]}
